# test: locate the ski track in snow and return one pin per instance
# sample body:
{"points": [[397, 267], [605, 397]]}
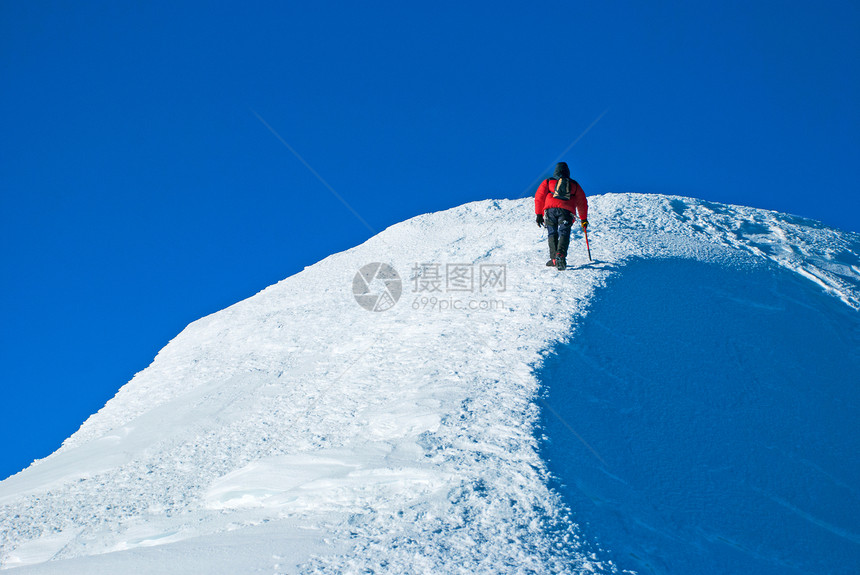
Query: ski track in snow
{"points": [[305, 434]]}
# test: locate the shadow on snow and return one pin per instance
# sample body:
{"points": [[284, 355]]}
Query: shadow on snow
{"points": [[703, 419]]}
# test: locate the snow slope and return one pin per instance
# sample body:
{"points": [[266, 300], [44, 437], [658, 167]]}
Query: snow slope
{"points": [[298, 432], [721, 402]]}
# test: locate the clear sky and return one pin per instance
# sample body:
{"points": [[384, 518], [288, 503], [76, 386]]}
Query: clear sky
{"points": [[139, 189]]}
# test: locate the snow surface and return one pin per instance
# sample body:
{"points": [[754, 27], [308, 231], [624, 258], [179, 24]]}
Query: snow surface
{"points": [[747, 465], [297, 432]]}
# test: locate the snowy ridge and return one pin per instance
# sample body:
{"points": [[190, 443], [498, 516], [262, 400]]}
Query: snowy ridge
{"points": [[337, 439]]}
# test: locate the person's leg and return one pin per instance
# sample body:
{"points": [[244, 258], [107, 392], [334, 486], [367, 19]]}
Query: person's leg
{"points": [[550, 220], [565, 221]]}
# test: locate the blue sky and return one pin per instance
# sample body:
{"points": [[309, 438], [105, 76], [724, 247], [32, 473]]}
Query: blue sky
{"points": [[139, 190]]}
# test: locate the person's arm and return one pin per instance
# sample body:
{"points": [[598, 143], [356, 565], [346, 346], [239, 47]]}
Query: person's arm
{"points": [[540, 197], [581, 203]]}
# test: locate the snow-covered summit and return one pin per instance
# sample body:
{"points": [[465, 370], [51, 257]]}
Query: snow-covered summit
{"points": [[296, 431]]}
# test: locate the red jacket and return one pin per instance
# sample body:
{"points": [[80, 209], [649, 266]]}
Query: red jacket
{"points": [[545, 201]]}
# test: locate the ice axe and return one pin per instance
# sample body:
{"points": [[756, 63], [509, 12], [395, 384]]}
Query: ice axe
{"points": [[588, 247]]}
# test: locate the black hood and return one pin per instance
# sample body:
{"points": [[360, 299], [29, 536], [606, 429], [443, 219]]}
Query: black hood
{"points": [[561, 171]]}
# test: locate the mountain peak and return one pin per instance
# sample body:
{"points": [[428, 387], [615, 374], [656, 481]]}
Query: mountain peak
{"points": [[330, 434]]}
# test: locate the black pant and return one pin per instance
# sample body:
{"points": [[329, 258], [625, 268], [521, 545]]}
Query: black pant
{"points": [[558, 222]]}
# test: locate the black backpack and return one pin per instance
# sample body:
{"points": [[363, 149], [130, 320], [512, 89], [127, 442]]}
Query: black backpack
{"points": [[563, 186]]}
